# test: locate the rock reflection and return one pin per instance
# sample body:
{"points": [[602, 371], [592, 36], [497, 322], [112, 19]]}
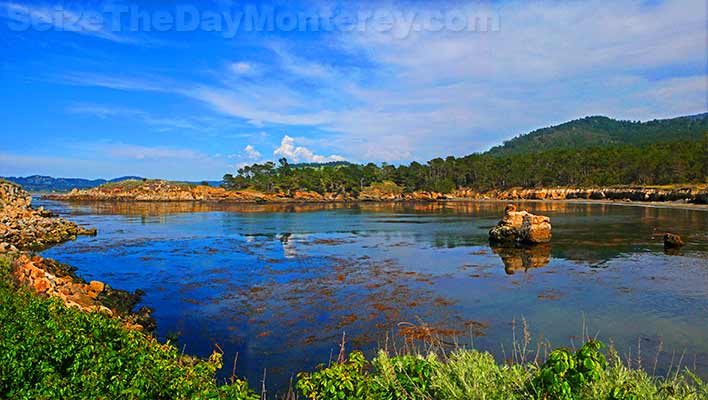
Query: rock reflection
{"points": [[523, 258]]}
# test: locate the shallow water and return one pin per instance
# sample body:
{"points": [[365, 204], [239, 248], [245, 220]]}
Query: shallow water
{"points": [[278, 284]]}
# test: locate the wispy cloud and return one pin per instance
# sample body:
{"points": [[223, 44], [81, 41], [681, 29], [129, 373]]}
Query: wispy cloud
{"points": [[375, 96], [137, 152], [148, 84], [148, 118]]}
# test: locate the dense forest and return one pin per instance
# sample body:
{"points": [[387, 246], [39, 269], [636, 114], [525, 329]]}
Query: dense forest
{"points": [[663, 162], [598, 131]]}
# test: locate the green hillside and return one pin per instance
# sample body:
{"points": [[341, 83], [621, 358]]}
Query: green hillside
{"points": [[599, 131]]}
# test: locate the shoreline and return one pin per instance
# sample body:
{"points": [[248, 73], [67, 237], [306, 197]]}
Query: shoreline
{"points": [[693, 196], [631, 203]]}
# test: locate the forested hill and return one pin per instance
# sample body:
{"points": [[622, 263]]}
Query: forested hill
{"points": [[589, 152], [599, 131]]}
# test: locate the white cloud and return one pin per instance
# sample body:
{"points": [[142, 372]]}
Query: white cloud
{"points": [[296, 154], [252, 153]]}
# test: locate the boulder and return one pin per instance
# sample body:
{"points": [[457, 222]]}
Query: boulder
{"points": [[672, 241], [521, 227]]}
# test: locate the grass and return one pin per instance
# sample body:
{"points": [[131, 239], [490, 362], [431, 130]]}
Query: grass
{"points": [[474, 375], [48, 351]]}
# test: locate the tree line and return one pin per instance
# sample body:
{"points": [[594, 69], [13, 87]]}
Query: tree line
{"points": [[651, 164]]}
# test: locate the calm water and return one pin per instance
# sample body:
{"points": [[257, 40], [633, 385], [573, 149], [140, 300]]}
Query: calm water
{"points": [[280, 283]]}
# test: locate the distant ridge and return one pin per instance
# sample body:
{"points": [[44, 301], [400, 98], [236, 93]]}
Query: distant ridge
{"points": [[599, 131], [39, 183]]}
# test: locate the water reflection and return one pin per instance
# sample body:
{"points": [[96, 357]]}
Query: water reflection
{"points": [[522, 258]]}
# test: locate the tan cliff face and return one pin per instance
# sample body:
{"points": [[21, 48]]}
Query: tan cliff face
{"points": [[158, 190], [693, 195]]}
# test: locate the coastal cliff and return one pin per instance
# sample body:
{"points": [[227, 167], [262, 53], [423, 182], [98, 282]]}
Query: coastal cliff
{"points": [[696, 194], [159, 190]]}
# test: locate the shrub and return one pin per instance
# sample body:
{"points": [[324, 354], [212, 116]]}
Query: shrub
{"points": [[347, 380], [403, 377], [565, 373]]}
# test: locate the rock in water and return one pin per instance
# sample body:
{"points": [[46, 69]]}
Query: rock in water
{"points": [[672, 241], [521, 227]]}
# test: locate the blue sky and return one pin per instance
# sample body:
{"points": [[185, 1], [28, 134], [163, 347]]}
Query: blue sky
{"points": [[105, 89]]}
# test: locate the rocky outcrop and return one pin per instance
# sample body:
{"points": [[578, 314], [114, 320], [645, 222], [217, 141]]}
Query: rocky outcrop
{"points": [[521, 227], [25, 228], [673, 241], [13, 196], [163, 191], [50, 278]]}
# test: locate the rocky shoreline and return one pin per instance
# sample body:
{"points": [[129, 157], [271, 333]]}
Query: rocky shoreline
{"points": [[24, 230], [163, 191]]}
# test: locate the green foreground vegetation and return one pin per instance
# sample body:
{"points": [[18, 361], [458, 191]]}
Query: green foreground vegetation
{"points": [[48, 351]]}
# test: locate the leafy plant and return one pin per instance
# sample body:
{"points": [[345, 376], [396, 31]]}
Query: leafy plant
{"points": [[625, 391], [403, 377], [347, 380], [564, 373]]}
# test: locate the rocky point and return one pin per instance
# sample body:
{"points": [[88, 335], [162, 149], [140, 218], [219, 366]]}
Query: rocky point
{"points": [[23, 228]]}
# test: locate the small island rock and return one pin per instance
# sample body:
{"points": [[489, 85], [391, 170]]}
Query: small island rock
{"points": [[521, 227], [672, 240]]}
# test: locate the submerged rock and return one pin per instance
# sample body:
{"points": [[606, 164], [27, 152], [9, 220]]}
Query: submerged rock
{"points": [[672, 241], [521, 227]]}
